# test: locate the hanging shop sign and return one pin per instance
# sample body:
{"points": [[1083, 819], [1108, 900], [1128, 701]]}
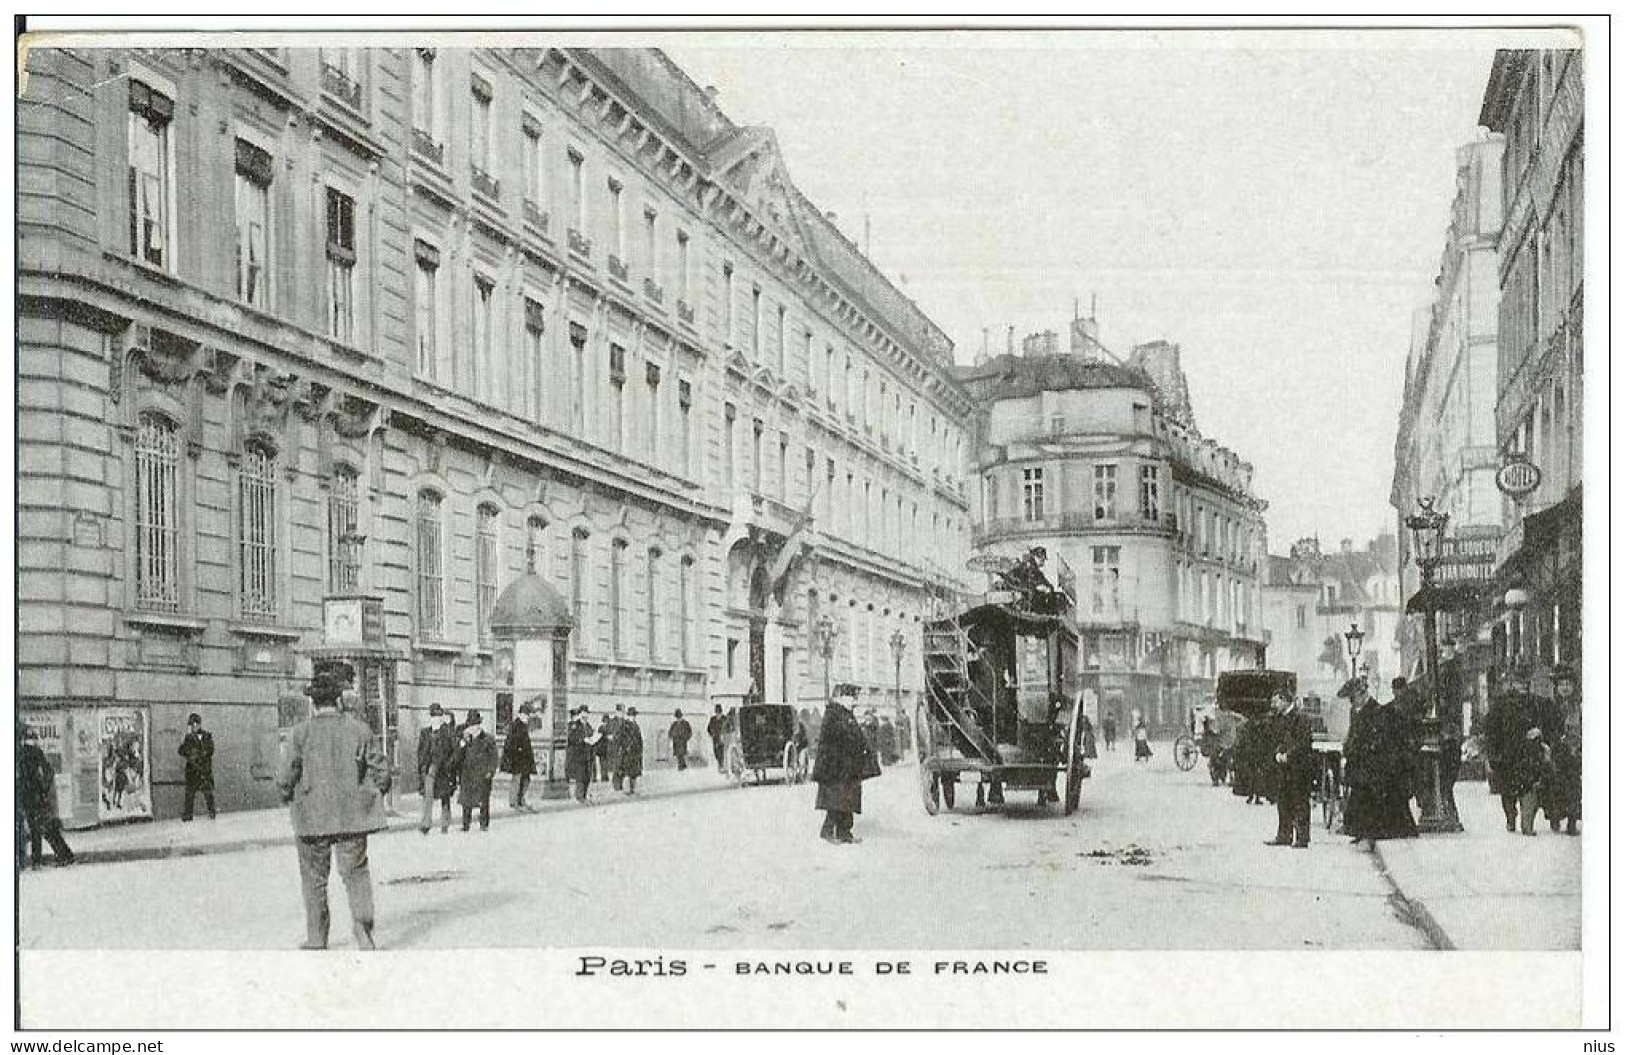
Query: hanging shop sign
{"points": [[1518, 477]]}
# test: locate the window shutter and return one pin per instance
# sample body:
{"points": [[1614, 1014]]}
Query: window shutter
{"points": [[112, 162]]}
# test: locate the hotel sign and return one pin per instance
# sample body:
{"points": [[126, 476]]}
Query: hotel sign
{"points": [[1518, 477]]}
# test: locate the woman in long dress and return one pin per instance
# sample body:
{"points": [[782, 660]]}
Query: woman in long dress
{"points": [[1379, 755], [1142, 742]]}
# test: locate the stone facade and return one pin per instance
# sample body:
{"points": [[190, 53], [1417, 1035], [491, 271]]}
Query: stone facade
{"points": [[1312, 597], [1101, 464], [299, 323]]}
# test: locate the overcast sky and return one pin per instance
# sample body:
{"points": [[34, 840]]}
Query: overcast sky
{"points": [[1278, 213]]}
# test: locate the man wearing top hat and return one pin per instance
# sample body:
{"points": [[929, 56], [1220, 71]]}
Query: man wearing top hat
{"points": [[1563, 785], [476, 769], [845, 761], [1378, 757], [333, 774], [519, 758], [437, 770], [579, 756], [197, 747]]}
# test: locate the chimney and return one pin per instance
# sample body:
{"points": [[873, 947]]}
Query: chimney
{"points": [[1086, 338]]}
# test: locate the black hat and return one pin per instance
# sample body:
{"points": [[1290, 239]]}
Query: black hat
{"points": [[525, 708], [328, 680], [194, 719], [435, 710], [631, 712], [474, 718], [677, 713], [845, 688], [1399, 683]]}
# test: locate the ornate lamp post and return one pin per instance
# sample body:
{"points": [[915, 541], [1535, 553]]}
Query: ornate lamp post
{"points": [[1427, 526], [899, 644], [825, 631], [1355, 637]]}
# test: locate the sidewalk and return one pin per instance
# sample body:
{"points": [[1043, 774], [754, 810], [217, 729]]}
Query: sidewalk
{"points": [[1486, 888], [254, 829]]}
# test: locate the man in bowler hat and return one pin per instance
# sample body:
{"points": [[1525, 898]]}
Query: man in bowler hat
{"points": [[198, 749], [334, 775]]}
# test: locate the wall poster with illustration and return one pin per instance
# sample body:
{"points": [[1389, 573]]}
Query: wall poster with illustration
{"points": [[126, 784]]}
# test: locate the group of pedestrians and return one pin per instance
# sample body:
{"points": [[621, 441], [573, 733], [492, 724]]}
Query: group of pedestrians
{"points": [[463, 760], [612, 752], [1532, 744]]}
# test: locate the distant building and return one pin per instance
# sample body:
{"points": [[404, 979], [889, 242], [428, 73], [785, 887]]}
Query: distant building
{"points": [[1313, 597], [1098, 460], [1446, 449], [1535, 100]]}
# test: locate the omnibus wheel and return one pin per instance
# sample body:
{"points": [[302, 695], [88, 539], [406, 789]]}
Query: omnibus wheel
{"points": [[1186, 753]]}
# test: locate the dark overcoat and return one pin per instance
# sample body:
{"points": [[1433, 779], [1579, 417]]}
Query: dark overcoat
{"points": [[578, 752], [1294, 739], [629, 748], [680, 732], [476, 766], [1561, 793], [198, 750], [845, 760], [518, 757], [437, 751], [1379, 756], [37, 782], [333, 773]]}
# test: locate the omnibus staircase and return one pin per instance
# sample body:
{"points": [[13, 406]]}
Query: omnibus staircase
{"points": [[951, 690]]}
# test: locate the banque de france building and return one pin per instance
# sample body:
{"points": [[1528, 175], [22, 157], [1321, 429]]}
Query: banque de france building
{"points": [[403, 323]]}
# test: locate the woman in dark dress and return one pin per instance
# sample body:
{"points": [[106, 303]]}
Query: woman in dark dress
{"points": [[845, 761], [1378, 756]]}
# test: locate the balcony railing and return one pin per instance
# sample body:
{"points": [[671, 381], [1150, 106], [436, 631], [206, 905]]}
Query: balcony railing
{"points": [[617, 267], [484, 182], [652, 290], [337, 83], [685, 311], [424, 146], [579, 243], [535, 215]]}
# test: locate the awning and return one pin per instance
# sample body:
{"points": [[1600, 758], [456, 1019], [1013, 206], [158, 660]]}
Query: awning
{"points": [[1451, 597]]}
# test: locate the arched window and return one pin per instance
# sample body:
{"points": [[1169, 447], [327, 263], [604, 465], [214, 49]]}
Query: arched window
{"points": [[257, 535], [487, 567], [157, 528], [343, 537], [685, 601], [578, 583], [536, 545], [430, 568]]}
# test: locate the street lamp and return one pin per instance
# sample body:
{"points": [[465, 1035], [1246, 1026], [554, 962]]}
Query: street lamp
{"points": [[825, 631], [1427, 527], [899, 644], [1355, 638]]}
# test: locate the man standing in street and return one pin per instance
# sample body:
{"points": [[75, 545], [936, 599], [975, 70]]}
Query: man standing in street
{"points": [[612, 747], [579, 757], [334, 775], [476, 768], [1108, 729], [629, 752], [845, 760], [519, 758], [714, 729], [437, 773], [198, 749], [680, 733], [1514, 769], [36, 794], [1563, 791], [1295, 767]]}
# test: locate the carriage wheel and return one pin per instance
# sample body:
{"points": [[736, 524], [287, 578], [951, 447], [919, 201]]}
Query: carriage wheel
{"points": [[1186, 753], [736, 764]]}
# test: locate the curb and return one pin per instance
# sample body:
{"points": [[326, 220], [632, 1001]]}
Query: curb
{"points": [[399, 823], [1409, 909]]}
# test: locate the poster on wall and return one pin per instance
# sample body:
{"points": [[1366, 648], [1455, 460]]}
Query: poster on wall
{"points": [[126, 786], [50, 727]]}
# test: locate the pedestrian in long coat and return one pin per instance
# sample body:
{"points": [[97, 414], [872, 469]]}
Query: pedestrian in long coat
{"points": [[437, 768], [1515, 767], [715, 728], [1562, 791], [37, 809], [1108, 728], [476, 769], [1378, 755], [629, 751], [580, 753], [886, 739], [197, 747], [1088, 738], [333, 774], [519, 758], [680, 733], [1142, 742], [1293, 758], [609, 756], [845, 761]]}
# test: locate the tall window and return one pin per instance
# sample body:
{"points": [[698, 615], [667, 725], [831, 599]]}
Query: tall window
{"points": [[578, 583], [728, 443], [685, 603], [530, 156], [341, 266], [536, 545], [426, 309], [617, 396], [812, 474], [682, 265], [991, 504], [756, 324], [617, 220], [578, 378], [256, 535], [1032, 494], [1105, 492], [157, 531], [651, 248], [1104, 596], [1150, 507], [151, 176], [728, 305], [784, 466], [484, 365], [829, 375], [652, 437], [578, 191], [253, 203], [479, 144], [343, 538], [655, 600], [430, 568], [425, 95], [784, 357], [685, 418], [617, 596], [756, 455], [486, 568]]}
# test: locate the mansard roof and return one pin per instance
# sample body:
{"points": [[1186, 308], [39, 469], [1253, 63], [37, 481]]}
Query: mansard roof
{"points": [[1020, 376]]}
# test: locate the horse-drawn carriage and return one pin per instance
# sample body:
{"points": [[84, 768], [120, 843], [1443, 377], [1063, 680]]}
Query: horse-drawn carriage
{"points": [[1001, 706], [758, 737]]}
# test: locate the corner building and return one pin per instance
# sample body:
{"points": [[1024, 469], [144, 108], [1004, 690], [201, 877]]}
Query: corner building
{"points": [[1099, 460], [300, 324]]}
